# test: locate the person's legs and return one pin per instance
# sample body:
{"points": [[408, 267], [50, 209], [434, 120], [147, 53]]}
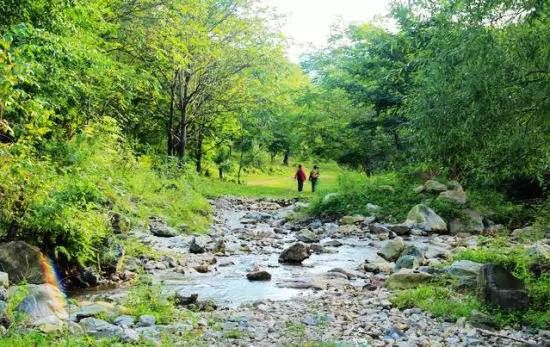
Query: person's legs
{"points": [[300, 185], [313, 185]]}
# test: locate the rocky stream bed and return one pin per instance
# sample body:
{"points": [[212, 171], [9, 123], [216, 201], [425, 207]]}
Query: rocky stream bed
{"points": [[248, 288]]}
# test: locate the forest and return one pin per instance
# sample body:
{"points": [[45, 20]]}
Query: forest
{"points": [[129, 127]]}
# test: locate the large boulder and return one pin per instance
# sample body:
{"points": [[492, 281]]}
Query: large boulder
{"points": [[465, 272], [407, 278], [23, 262], [499, 287], [471, 222], [392, 249], [294, 254], [158, 227], [44, 305], [424, 218]]}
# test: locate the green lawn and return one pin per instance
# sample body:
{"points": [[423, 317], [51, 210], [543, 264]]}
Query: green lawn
{"points": [[277, 184]]}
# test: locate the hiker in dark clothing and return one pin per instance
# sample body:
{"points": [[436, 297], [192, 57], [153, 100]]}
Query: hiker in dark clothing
{"points": [[300, 176], [314, 178]]}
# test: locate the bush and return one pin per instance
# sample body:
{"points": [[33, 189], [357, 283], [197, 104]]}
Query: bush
{"points": [[148, 299], [61, 200], [389, 191]]}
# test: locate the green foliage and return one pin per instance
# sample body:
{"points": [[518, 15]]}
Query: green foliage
{"points": [[441, 301], [521, 264], [148, 299], [61, 202], [394, 195]]}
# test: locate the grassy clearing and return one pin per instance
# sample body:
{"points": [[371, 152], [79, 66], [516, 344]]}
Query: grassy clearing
{"points": [[275, 181]]}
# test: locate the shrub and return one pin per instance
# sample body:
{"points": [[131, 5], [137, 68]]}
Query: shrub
{"points": [[61, 200], [148, 299], [389, 191]]}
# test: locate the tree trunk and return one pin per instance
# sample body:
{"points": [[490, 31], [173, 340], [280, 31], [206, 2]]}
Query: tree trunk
{"points": [[182, 129], [198, 152], [397, 140], [240, 167], [286, 157], [220, 173], [170, 126]]}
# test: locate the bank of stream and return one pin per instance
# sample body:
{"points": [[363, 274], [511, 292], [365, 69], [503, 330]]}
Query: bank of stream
{"points": [[329, 297]]}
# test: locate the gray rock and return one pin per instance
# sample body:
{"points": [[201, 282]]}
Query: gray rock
{"points": [[3, 294], [258, 276], [347, 220], [400, 229], [406, 262], [378, 228], [197, 246], [465, 272], [295, 254], [330, 228], [307, 236], [424, 218], [499, 287], [457, 195], [540, 250], [332, 243], [129, 336], [407, 278], [101, 329], [183, 298], [158, 227], [23, 262], [44, 304], [124, 321], [146, 321], [94, 310], [471, 223], [434, 186], [4, 280], [392, 249], [377, 266]]}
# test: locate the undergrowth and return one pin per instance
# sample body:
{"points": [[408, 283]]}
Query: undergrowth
{"points": [[61, 199]]}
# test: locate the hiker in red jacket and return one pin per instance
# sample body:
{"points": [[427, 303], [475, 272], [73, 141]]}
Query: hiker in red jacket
{"points": [[301, 177]]}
